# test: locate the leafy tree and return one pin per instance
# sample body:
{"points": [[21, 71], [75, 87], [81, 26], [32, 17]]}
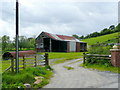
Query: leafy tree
{"points": [[82, 37], [112, 27], [94, 34], [5, 42], [105, 31], [31, 42], [76, 36], [117, 29], [23, 42]]}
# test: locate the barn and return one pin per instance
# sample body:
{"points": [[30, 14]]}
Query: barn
{"points": [[47, 42]]}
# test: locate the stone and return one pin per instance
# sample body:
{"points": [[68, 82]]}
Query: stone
{"points": [[27, 85], [38, 81], [39, 77]]}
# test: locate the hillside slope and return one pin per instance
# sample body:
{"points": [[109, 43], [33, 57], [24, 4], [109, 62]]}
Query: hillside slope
{"points": [[110, 38]]}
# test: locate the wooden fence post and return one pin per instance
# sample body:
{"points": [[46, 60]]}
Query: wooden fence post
{"points": [[35, 62], [83, 58], [12, 64], [24, 66], [46, 59]]}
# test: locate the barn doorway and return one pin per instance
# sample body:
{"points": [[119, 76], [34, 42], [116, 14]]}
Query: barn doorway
{"points": [[59, 46], [56, 45]]}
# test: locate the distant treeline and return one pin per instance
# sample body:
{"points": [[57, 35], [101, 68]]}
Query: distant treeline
{"points": [[24, 43], [105, 31]]}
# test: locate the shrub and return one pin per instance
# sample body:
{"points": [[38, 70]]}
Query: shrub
{"points": [[100, 50]]}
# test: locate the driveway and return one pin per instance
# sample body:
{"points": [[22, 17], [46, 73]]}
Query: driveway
{"points": [[80, 77]]}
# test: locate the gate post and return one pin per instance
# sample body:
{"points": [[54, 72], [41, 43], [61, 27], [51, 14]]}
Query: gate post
{"points": [[83, 58], [12, 64], [46, 59], [115, 57]]}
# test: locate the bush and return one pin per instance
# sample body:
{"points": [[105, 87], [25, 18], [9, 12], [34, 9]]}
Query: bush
{"points": [[100, 50]]}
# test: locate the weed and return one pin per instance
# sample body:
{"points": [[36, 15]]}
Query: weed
{"points": [[68, 67]]}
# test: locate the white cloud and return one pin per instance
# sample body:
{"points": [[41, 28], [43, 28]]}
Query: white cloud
{"points": [[59, 17]]}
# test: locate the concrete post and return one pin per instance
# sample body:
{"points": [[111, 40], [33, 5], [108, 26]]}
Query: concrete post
{"points": [[115, 57]]}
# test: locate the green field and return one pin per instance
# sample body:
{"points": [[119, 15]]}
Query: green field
{"points": [[110, 38], [61, 56]]}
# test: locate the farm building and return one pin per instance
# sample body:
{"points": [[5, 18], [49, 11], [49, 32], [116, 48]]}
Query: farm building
{"points": [[47, 42]]}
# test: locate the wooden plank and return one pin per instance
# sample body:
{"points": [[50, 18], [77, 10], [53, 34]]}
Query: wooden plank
{"points": [[41, 62], [101, 58], [21, 67], [29, 63], [30, 55], [21, 64], [97, 55], [30, 60], [7, 69]]}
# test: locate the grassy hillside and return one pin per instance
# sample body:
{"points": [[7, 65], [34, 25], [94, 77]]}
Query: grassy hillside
{"points": [[110, 38]]}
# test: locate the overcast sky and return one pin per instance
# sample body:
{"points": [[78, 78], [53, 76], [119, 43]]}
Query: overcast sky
{"points": [[57, 17]]}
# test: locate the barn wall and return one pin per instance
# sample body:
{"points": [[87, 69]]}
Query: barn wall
{"points": [[72, 46], [68, 46], [77, 47], [40, 42]]}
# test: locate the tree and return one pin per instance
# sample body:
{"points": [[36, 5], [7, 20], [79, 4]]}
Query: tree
{"points": [[105, 31], [76, 36], [112, 27], [82, 37], [5, 42], [94, 34], [31, 42], [23, 42], [117, 29]]}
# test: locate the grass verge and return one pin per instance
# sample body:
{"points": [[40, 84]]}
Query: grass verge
{"points": [[101, 67], [13, 80]]}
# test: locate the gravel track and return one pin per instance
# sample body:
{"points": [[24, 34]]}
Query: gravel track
{"points": [[80, 77]]}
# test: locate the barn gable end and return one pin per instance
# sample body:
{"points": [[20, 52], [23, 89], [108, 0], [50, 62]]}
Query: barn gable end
{"points": [[47, 42]]}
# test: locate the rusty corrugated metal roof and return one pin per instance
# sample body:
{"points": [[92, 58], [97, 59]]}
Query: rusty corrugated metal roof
{"points": [[21, 54], [61, 37]]}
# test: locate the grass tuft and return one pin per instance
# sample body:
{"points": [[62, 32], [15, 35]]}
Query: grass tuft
{"points": [[68, 67], [100, 67]]}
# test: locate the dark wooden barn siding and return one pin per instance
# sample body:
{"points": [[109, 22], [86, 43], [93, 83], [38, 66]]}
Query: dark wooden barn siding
{"points": [[68, 46], [77, 47]]}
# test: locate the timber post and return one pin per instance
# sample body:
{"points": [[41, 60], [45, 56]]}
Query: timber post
{"points": [[24, 62], [46, 59], [83, 58], [35, 61], [12, 64]]}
